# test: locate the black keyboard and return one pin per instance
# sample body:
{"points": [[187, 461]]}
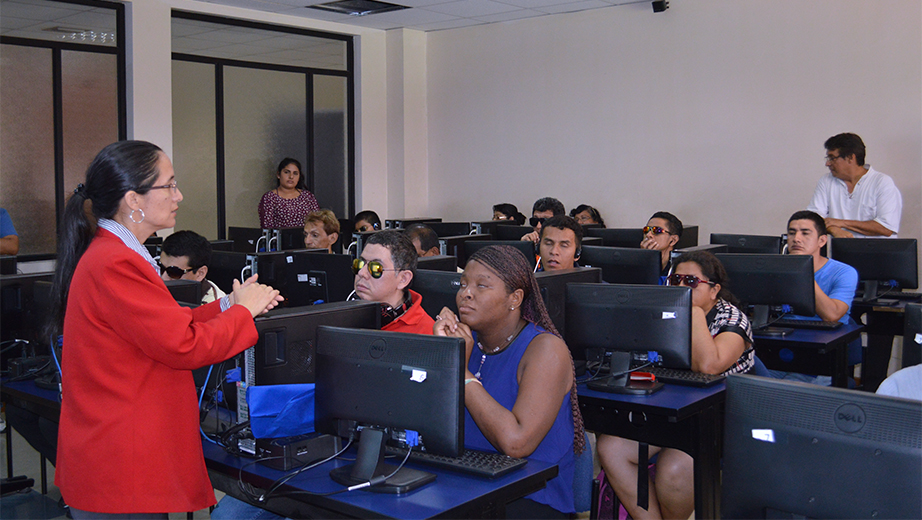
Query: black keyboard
{"points": [[675, 376], [806, 324], [482, 463]]}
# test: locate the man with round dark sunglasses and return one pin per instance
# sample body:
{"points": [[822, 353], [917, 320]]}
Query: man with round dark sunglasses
{"points": [[185, 255], [662, 233], [543, 209], [383, 273]]}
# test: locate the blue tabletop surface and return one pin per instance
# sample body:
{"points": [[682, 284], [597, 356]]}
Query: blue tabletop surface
{"points": [[450, 489]]}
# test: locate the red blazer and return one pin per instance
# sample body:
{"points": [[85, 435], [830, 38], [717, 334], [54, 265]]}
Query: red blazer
{"points": [[415, 320], [129, 434]]}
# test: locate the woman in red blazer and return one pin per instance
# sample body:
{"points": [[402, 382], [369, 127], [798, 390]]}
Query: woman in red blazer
{"points": [[129, 441]]}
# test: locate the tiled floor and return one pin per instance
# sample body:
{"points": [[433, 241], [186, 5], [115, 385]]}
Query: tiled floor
{"points": [[33, 505]]}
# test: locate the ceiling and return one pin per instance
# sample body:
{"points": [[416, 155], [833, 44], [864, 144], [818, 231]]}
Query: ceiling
{"points": [[51, 20], [432, 15]]}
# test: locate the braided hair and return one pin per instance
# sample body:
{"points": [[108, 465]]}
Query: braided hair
{"points": [[512, 268]]}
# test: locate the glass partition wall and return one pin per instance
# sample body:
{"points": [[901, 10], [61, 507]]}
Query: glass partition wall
{"points": [[245, 96], [61, 101]]}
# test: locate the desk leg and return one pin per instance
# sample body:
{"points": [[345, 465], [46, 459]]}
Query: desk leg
{"points": [[44, 475], [707, 464], [9, 451], [876, 361]]}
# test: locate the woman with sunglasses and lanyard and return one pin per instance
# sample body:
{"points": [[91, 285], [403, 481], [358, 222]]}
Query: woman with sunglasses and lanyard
{"points": [[662, 233], [128, 443], [721, 344]]}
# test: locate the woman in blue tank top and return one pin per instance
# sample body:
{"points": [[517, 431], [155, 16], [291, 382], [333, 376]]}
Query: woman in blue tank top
{"points": [[520, 391]]}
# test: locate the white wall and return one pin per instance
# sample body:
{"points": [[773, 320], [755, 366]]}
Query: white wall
{"points": [[715, 110]]}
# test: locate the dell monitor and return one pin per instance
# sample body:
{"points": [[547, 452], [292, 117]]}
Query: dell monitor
{"points": [[286, 239], [618, 237], [403, 223], [227, 266], [526, 247], [313, 276], [893, 261], [689, 237], [454, 246], [553, 287], [624, 265], [912, 335], [796, 450], [385, 387], [359, 238], [756, 244], [511, 232], [19, 317], [221, 245], [488, 227], [450, 229], [620, 320], [185, 291], [247, 240], [771, 280], [438, 289], [438, 263]]}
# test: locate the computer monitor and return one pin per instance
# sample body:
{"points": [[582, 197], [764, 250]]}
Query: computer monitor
{"points": [[247, 240], [438, 263], [511, 232], [8, 264], [222, 245], [879, 260], [438, 289], [403, 223], [186, 291], [689, 237], [769, 280], [553, 287], [359, 238], [527, 248], [383, 386], [450, 229], [619, 320], [710, 248], [912, 335], [796, 450], [286, 239], [18, 315], [454, 246], [618, 237], [591, 241], [757, 244], [488, 227], [285, 352], [624, 265], [313, 275], [227, 266]]}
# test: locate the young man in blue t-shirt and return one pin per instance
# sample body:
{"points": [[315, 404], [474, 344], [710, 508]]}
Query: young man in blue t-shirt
{"points": [[834, 282]]}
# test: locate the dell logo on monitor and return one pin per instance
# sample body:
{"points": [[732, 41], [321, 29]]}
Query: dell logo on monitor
{"points": [[849, 418], [377, 349]]}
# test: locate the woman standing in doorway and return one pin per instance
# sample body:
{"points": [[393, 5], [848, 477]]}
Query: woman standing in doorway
{"points": [[287, 204]]}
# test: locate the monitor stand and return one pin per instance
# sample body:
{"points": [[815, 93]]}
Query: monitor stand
{"points": [[760, 323], [620, 364], [369, 463]]}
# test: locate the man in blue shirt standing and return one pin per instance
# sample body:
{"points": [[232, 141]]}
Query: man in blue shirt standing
{"points": [[834, 282], [9, 239]]}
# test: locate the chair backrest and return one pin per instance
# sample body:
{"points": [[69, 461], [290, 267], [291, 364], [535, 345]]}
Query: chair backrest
{"points": [[582, 479]]}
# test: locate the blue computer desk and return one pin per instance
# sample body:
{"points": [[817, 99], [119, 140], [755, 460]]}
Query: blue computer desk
{"points": [[451, 495], [45, 403], [680, 417], [810, 351]]}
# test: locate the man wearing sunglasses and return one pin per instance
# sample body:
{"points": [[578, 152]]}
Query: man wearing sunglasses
{"points": [[542, 210], [661, 233], [855, 199], [383, 274], [185, 255]]}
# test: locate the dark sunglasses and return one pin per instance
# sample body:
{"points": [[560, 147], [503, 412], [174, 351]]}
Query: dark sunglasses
{"points": [[375, 268], [175, 273], [534, 221], [656, 230], [689, 280]]}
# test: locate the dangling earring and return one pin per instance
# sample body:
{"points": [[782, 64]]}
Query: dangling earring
{"points": [[131, 216]]}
